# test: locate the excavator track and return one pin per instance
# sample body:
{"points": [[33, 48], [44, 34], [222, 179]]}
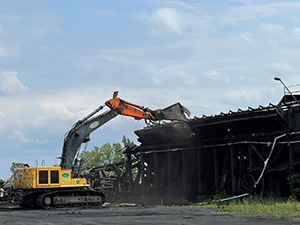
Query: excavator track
{"points": [[69, 198]]}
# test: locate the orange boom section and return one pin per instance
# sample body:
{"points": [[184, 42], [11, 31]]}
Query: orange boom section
{"points": [[129, 109]]}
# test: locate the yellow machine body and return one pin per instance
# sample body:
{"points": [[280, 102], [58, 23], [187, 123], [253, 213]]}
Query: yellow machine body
{"points": [[46, 177]]}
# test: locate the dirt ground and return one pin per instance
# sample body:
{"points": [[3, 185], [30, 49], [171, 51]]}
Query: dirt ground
{"points": [[132, 215]]}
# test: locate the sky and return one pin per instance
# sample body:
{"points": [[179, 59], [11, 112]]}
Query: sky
{"points": [[59, 60]]}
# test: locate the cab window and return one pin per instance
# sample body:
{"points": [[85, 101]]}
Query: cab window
{"points": [[43, 177], [54, 177]]}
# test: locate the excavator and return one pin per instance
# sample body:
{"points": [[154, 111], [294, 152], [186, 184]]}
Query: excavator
{"points": [[62, 186]]}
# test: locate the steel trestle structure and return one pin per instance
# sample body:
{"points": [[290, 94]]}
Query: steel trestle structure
{"points": [[252, 151]]}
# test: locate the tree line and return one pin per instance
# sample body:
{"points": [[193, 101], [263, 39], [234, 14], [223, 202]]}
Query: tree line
{"points": [[108, 153]]}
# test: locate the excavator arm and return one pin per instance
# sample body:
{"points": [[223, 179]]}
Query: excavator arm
{"points": [[81, 130], [173, 112], [129, 109]]}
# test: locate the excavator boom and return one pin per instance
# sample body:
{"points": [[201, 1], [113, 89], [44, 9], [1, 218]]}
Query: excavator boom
{"points": [[81, 130]]}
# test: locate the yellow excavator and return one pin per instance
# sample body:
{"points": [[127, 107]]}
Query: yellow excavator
{"points": [[62, 186]]}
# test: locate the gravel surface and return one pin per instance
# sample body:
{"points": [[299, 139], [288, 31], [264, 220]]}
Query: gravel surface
{"points": [[133, 215]]}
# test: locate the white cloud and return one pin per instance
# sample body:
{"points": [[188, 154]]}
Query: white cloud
{"points": [[180, 3], [165, 21], [157, 80], [43, 24], [30, 25], [243, 95], [8, 50], [44, 114], [56, 109], [174, 74], [296, 31], [10, 83], [18, 135], [282, 67], [247, 12], [258, 11], [216, 76], [248, 37], [270, 28]]}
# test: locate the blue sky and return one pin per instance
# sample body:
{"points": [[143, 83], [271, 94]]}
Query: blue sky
{"points": [[59, 60]]}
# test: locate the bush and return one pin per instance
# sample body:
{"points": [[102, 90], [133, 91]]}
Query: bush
{"points": [[294, 180]]}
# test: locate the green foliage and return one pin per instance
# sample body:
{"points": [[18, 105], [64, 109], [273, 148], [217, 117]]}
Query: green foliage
{"points": [[260, 206], [294, 180], [106, 154], [267, 207], [14, 166], [2, 181]]}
